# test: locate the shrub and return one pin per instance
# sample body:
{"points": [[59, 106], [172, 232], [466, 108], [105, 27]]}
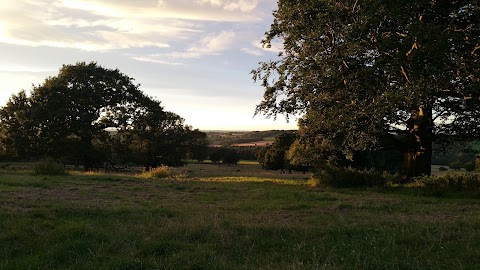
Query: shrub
{"points": [[455, 165], [470, 166], [159, 172], [477, 161], [349, 177], [449, 182], [225, 155], [49, 167], [443, 169]]}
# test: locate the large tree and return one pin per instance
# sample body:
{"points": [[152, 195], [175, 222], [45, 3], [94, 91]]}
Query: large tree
{"points": [[357, 70], [67, 117]]}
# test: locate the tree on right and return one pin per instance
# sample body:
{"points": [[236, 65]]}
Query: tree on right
{"points": [[357, 71]]}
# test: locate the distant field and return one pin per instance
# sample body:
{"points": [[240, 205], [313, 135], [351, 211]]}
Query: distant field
{"points": [[257, 143], [243, 138], [228, 217]]}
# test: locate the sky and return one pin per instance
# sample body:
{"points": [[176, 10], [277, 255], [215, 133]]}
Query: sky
{"points": [[195, 56]]}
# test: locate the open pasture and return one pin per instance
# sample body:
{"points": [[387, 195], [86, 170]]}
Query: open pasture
{"points": [[219, 218]]}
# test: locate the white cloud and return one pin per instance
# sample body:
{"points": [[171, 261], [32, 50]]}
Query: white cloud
{"points": [[210, 45], [157, 59], [251, 51], [215, 43], [108, 24], [211, 2], [232, 5], [242, 5]]}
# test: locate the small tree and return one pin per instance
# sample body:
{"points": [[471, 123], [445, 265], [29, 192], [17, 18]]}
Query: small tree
{"points": [[198, 145], [275, 155]]}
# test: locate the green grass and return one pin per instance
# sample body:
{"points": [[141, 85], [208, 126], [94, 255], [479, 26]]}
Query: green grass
{"points": [[224, 221]]}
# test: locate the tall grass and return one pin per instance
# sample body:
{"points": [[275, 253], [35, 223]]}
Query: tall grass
{"points": [[159, 172], [49, 167], [448, 182]]}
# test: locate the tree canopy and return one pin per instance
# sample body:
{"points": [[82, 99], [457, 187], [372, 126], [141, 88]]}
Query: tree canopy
{"points": [[274, 157], [356, 70], [68, 117]]}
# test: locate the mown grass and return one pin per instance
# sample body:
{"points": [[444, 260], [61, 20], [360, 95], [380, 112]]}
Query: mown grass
{"points": [[114, 221]]}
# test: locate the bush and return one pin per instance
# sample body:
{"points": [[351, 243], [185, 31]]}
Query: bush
{"points": [[470, 166], [159, 172], [455, 165], [448, 182], [477, 161], [225, 155], [349, 177], [49, 167]]}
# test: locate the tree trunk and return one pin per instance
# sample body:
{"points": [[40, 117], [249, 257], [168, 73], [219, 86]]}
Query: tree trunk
{"points": [[87, 152], [418, 155]]}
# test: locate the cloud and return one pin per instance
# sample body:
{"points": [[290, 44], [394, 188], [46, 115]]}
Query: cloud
{"points": [[211, 2], [14, 68], [115, 24], [213, 44], [251, 51], [209, 45], [242, 5], [257, 48], [157, 59], [237, 5]]}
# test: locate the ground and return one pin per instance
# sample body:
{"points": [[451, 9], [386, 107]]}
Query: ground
{"points": [[228, 217]]}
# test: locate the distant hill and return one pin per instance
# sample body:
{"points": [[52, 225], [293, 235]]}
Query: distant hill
{"points": [[243, 138]]}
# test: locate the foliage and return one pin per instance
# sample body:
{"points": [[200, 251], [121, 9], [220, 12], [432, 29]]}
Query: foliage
{"points": [[247, 152], [275, 155], [69, 111], [225, 155], [350, 177], [162, 171], [155, 137], [449, 182], [198, 145], [356, 70], [49, 167], [67, 118], [477, 162], [456, 156], [443, 169], [17, 132]]}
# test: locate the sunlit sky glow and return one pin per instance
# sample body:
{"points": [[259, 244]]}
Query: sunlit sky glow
{"points": [[193, 55]]}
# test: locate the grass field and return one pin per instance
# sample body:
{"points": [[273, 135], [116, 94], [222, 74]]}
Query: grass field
{"points": [[228, 217]]}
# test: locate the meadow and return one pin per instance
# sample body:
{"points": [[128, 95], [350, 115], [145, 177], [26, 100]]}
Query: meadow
{"points": [[229, 217]]}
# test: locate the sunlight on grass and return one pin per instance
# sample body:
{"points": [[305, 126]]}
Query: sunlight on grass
{"points": [[101, 220], [226, 179], [161, 172]]}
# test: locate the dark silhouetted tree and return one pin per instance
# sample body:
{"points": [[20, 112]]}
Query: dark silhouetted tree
{"points": [[198, 145], [67, 116], [275, 155]]}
